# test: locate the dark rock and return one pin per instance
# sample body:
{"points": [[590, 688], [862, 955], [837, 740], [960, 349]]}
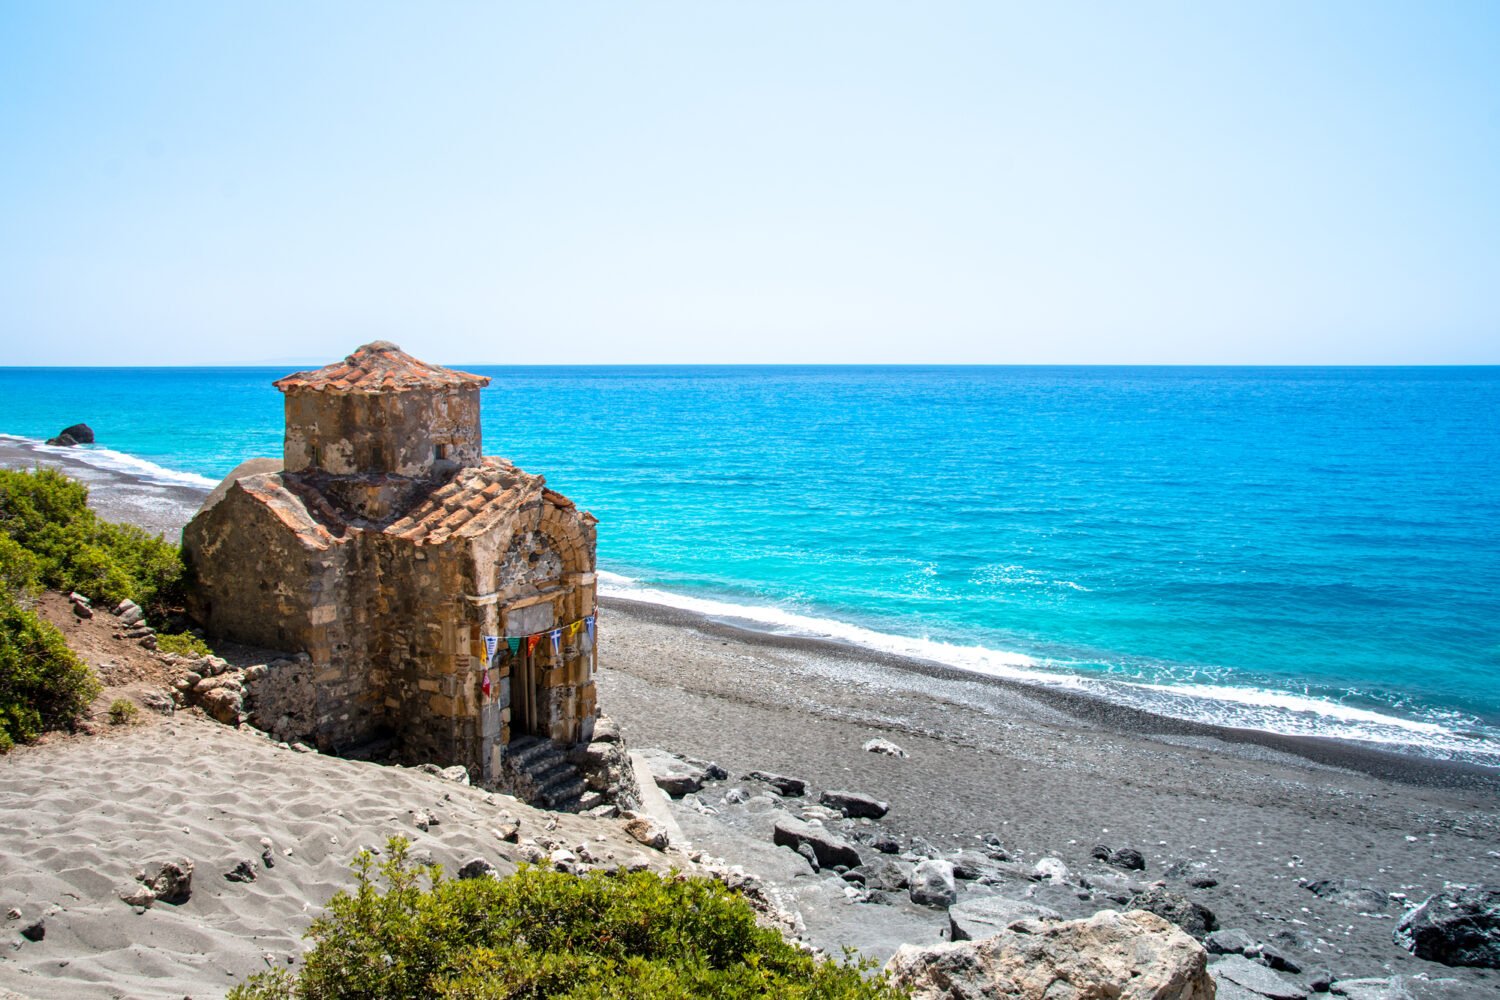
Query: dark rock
{"points": [[932, 884], [674, 774], [1256, 978], [1228, 942], [827, 847], [1100, 853], [172, 881], [784, 785], [1202, 881], [976, 919], [994, 848], [244, 871], [83, 611], [886, 845], [1454, 928], [1321, 981], [477, 868], [1276, 959], [1192, 917], [806, 850], [1128, 858], [855, 805], [885, 874], [268, 858], [712, 771], [75, 435], [35, 931]]}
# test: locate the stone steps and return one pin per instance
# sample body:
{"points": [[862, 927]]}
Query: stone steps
{"points": [[538, 771]]}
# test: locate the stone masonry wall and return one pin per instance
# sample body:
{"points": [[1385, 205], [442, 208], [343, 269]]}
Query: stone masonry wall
{"points": [[398, 432]]}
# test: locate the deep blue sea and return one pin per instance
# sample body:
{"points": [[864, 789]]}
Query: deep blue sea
{"points": [[1307, 550]]}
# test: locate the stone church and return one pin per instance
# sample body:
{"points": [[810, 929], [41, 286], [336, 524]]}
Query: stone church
{"points": [[444, 599]]}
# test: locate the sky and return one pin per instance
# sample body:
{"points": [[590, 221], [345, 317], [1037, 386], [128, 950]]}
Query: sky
{"points": [[735, 182]]}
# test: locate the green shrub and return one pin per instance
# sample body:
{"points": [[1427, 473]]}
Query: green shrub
{"points": [[541, 933], [182, 643], [122, 712], [46, 515], [42, 684]]}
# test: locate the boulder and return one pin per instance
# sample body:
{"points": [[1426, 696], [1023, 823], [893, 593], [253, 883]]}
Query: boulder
{"points": [[975, 919], [791, 787], [1109, 956], [674, 774], [130, 613], [1128, 858], [1454, 928], [244, 871], [884, 874], [1050, 870], [225, 704], [932, 884], [855, 805], [136, 894], [1228, 942], [885, 747], [648, 832], [172, 882], [1256, 978], [74, 435], [35, 931], [477, 868], [1192, 917], [830, 849]]}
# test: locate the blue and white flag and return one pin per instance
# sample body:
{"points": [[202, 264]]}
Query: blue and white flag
{"points": [[588, 623], [491, 643], [556, 636]]}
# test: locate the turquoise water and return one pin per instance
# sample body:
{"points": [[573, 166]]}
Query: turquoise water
{"points": [[1301, 549]]}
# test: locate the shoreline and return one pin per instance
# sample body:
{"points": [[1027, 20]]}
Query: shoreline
{"points": [[1243, 822], [162, 508], [1090, 709]]}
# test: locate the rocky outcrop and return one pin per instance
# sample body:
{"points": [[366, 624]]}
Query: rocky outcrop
{"points": [[932, 883], [855, 805], [1109, 956], [1454, 928], [886, 747], [784, 785], [1192, 917], [75, 435], [976, 919], [829, 848]]}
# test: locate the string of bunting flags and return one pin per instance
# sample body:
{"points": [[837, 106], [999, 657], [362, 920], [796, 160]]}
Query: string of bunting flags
{"points": [[555, 636]]}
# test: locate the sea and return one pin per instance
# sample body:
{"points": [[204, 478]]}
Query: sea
{"points": [[1310, 551]]}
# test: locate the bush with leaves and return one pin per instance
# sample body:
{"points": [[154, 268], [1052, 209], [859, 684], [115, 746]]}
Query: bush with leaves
{"points": [[42, 684], [46, 514], [182, 643], [540, 933]]}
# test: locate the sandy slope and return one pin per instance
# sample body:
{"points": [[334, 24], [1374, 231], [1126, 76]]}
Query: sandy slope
{"points": [[78, 816]]}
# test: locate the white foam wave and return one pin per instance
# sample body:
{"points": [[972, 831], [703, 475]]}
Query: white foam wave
{"points": [[1267, 710], [109, 460]]}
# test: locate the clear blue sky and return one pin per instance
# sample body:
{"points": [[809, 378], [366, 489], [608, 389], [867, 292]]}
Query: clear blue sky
{"points": [[1256, 182]]}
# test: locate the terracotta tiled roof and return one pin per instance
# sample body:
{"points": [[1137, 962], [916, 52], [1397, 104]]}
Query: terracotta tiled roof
{"points": [[470, 502], [378, 367]]}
